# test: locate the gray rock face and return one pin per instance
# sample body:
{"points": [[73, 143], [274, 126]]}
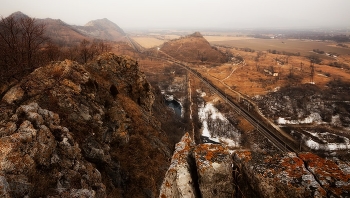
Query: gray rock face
{"points": [[40, 141], [204, 170], [70, 130], [278, 175], [214, 167], [178, 181]]}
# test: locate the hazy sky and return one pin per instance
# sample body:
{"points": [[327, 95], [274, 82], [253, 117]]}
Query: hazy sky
{"points": [[229, 14]]}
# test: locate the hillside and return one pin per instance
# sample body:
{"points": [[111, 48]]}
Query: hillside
{"points": [[193, 48], [103, 29], [68, 130], [62, 33], [65, 34]]}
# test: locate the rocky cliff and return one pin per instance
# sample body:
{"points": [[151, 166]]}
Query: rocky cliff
{"points": [[198, 171], [70, 130], [211, 170]]}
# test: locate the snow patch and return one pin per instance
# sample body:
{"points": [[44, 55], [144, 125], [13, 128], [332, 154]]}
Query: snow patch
{"points": [[208, 110], [327, 146], [313, 117]]}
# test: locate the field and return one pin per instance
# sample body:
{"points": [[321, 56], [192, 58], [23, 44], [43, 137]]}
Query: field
{"points": [[304, 47], [149, 41], [252, 77]]}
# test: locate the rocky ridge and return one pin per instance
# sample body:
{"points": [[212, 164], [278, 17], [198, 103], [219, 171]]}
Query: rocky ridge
{"points": [[70, 130], [218, 172], [198, 171]]}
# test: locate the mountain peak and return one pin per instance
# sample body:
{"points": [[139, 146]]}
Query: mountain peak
{"points": [[104, 24], [19, 15], [196, 34]]}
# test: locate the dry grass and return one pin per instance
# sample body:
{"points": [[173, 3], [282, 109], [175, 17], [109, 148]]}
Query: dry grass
{"points": [[148, 41], [288, 45], [251, 81], [225, 38]]}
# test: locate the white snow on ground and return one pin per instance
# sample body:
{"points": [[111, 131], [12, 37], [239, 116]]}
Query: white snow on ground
{"points": [[209, 109], [327, 146], [202, 94], [169, 97], [313, 117]]}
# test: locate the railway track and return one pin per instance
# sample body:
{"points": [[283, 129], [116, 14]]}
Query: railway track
{"points": [[269, 132]]}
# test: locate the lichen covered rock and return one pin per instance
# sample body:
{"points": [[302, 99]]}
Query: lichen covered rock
{"points": [[214, 168], [41, 153], [178, 181], [72, 130], [276, 175], [334, 176]]}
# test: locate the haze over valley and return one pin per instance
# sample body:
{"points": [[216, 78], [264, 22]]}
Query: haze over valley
{"points": [[175, 98]]}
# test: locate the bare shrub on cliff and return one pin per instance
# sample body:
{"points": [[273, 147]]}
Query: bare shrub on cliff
{"points": [[21, 40]]}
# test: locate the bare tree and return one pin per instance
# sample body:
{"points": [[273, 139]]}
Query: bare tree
{"points": [[84, 50], [52, 52], [33, 38], [21, 40]]}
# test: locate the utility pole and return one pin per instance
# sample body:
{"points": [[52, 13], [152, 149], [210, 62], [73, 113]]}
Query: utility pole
{"points": [[312, 73], [301, 66]]}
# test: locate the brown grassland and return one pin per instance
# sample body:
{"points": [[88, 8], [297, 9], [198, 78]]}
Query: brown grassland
{"points": [[305, 47], [251, 81], [148, 41]]}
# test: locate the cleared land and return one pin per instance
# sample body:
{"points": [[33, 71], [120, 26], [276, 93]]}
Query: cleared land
{"points": [[253, 78], [304, 47], [149, 41]]}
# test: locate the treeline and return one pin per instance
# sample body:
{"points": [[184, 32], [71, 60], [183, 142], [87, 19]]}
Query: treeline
{"points": [[283, 52], [24, 47], [21, 42]]}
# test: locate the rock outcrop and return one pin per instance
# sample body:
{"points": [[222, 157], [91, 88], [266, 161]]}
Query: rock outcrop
{"points": [[178, 181], [214, 167], [291, 175], [70, 130], [218, 172], [198, 171]]}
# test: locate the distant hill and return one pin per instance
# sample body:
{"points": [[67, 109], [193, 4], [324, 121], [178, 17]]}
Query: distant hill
{"points": [[62, 33], [193, 48], [18, 15], [103, 29]]}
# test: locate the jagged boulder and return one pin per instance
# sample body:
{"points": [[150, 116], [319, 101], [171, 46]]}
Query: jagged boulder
{"points": [[333, 175], [204, 170], [274, 175], [178, 181], [214, 168], [40, 153], [74, 130]]}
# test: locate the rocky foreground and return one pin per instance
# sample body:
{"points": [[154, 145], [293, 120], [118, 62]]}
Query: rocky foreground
{"points": [[70, 130], [211, 170]]}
